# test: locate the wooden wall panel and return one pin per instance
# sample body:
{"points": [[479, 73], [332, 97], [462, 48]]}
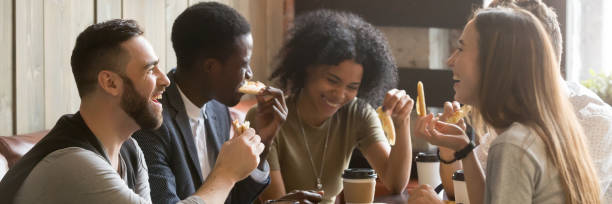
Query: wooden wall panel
{"points": [[107, 10], [6, 67], [30, 97], [259, 62], [275, 20], [192, 2], [37, 85], [409, 45], [244, 7], [151, 16], [267, 38], [64, 20], [226, 2], [173, 9]]}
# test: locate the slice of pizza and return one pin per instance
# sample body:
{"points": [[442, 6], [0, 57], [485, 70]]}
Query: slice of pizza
{"points": [[457, 115], [387, 125], [240, 128], [252, 87]]}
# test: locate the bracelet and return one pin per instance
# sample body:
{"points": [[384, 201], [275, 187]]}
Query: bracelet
{"points": [[459, 155], [444, 161]]}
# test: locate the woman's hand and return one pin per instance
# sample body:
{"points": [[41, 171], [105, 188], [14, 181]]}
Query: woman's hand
{"points": [[424, 194], [399, 105], [450, 108], [393, 163], [440, 133], [271, 113], [304, 197]]}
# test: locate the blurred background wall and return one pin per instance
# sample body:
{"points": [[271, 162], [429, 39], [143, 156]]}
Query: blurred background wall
{"points": [[37, 37]]}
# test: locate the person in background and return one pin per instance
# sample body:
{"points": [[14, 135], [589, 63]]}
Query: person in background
{"points": [[336, 68]]}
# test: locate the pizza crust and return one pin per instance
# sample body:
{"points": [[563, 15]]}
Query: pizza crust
{"points": [[421, 108], [252, 87], [457, 115], [387, 125], [240, 128]]}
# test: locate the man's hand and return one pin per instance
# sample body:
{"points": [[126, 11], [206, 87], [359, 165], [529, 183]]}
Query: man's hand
{"points": [[239, 155], [271, 113], [424, 194], [304, 197], [398, 105]]}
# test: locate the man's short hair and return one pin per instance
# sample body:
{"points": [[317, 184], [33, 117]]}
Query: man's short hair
{"points": [[206, 30], [98, 48], [546, 15]]}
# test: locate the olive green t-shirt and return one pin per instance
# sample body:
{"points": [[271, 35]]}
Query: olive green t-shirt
{"points": [[352, 126]]}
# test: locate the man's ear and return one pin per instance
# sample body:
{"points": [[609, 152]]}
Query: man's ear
{"points": [[211, 65], [110, 82]]}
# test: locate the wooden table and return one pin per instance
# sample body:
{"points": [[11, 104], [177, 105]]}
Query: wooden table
{"points": [[393, 199], [383, 195]]}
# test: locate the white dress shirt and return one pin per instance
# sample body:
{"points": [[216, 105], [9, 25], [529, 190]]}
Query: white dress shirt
{"points": [[197, 121], [595, 116]]}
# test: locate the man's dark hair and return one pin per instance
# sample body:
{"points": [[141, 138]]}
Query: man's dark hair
{"points": [[206, 30], [99, 48], [326, 37]]}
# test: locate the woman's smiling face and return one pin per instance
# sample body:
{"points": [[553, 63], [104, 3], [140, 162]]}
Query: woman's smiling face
{"points": [[329, 87], [464, 63]]}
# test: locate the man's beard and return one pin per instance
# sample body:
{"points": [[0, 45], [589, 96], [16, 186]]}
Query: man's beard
{"points": [[137, 107]]}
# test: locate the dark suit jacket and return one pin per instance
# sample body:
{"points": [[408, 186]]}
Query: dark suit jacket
{"points": [[171, 156]]}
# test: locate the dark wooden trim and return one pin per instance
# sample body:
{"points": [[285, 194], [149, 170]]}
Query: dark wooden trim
{"points": [[411, 13], [438, 84], [560, 7]]}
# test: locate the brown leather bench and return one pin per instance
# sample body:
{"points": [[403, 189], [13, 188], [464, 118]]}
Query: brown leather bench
{"points": [[12, 148]]}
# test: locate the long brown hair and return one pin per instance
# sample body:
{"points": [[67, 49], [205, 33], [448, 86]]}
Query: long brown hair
{"points": [[519, 66]]}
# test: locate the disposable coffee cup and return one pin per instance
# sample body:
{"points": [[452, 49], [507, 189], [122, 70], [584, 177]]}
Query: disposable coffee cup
{"points": [[461, 194], [359, 185], [428, 170]]}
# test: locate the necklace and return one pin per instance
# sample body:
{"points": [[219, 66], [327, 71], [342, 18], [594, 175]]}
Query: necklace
{"points": [[319, 174]]}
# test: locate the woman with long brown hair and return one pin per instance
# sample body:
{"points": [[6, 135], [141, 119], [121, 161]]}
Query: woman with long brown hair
{"points": [[505, 67]]}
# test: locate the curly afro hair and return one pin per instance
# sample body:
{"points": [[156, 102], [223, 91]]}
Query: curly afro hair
{"points": [[326, 37]]}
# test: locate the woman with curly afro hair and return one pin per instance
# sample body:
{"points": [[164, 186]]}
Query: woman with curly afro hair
{"points": [[335, 68]]}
